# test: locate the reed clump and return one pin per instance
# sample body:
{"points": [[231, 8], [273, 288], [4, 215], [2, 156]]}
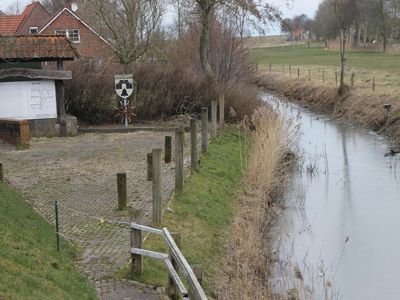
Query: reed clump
{"points": [[246, 271]]}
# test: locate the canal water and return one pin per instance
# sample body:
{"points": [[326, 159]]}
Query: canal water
{"points": [[340, 231]]}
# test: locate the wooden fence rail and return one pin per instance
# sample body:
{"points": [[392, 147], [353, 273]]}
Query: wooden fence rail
{"points": [[176, 255]]}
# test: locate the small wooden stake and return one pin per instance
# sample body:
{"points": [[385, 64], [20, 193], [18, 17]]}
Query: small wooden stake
{"points": [[149, 166], [214, 108], [352, 80], [157, 196], [298, 72], [270, 68], [283, 69], [179, 136], [373, 84], [122, 195], [168, 151], [137, 242], [323, 75], [336, 77], [221, 110], [290, 70], [309, 75], [172, 291], [193, 145], [1, 172], [204, 129]]}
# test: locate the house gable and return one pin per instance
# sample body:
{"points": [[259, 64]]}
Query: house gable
{"points": [[89, 43], [35, 16]]}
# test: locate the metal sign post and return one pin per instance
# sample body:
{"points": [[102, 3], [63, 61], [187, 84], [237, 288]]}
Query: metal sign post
{"points": [[125, 86]]}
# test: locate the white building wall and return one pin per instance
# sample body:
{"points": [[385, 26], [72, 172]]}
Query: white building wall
{"points": [[28, 100]]}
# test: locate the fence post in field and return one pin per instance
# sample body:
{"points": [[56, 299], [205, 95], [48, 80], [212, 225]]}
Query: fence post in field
{"points": [[373, 84], [204, 129], [168, 147], [157, 196], [309, 75], [290, 70], [137, 242], [149, 166], [352, 80], [122, 195], [270, 68], [172, 291], [336, 77], [193, 145], [1, 172], [221, 110], [323, 75], [214, 109], [298, 72], [179, 137]]}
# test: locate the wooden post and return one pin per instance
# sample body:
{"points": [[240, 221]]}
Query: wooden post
{"points": [[290, 70], [157, 196], [352, 80], [60, 102], [373, 84], [137, 242], [221, 110], [283, 69], [309, 75], [1, 172], [270, 68], [168, 151], [214, 108], [204, 129], [149, 166], [298, 72], [323, 75], [193, 145], [256, 67], [336, 77], [172, 291], [179, 136], [122, 195]]}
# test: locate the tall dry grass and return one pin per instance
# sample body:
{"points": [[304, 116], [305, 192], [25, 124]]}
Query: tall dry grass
{"points": [[246, 272]]}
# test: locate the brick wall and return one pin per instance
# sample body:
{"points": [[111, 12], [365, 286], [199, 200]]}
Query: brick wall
{"points": [[15, 132], [90, 45]]}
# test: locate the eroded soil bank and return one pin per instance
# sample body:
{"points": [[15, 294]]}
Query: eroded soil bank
{"points": [[363, 109]]}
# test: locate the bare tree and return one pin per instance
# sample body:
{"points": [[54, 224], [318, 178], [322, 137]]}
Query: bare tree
{"points": [[129, 25], [345, 11], [260, 11]]}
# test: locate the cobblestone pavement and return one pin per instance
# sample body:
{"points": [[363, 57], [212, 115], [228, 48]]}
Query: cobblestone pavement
{"points": [[80, 173]]}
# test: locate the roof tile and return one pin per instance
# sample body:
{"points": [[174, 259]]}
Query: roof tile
{"points": [[10, 24]]}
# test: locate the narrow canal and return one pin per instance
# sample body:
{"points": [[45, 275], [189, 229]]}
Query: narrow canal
{"points": [[341, 225]]}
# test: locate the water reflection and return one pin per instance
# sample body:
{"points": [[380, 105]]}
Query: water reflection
{"points": [[349, 221]]}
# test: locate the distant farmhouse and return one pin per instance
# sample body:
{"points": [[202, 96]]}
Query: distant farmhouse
{"points": [[35, 19]]}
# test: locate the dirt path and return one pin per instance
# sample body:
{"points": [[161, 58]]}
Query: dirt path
{"points": [[80, 173]]}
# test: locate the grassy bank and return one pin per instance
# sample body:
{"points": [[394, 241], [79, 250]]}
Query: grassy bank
{"points": [[30, 267], [203, 213]]}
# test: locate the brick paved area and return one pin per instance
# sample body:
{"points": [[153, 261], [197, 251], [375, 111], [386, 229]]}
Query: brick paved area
{"points": [[80, 173]]}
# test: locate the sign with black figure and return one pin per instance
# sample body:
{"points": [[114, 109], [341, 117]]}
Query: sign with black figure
{"points": [[125, 86]]}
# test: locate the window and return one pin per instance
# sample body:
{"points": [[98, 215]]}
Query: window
{"points": [[72, 34], [33, 30]]}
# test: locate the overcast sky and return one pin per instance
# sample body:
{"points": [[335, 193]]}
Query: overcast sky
{"points": [[297, 7]]}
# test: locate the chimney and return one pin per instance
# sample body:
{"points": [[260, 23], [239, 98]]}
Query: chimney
{"points": [[68, 4]]}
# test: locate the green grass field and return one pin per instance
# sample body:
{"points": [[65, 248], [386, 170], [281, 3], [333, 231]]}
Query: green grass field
{"points": [[317, 55], [202, 213], [30, 267]]}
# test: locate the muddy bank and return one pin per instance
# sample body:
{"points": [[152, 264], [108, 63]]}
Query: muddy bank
{"points": [[363, 109]]}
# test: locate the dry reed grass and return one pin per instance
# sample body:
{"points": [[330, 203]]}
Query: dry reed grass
{"points": [[246, 273]]}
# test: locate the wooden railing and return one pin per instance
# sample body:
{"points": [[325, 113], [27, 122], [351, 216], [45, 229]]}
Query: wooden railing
{"points": [[173, 262]]}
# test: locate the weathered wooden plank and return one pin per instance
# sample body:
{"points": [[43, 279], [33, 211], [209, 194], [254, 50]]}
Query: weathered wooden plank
{"points": [[146, 228], [148, 253], [36, 74], [184, 266], [175, 277]]}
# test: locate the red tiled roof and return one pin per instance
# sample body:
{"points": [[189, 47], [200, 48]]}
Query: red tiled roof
{"points": [[28, 9], [10, 24], [37, 48]]}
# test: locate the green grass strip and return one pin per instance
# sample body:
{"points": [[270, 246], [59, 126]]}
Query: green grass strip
{"points": [[30, 267], [202, 213]]}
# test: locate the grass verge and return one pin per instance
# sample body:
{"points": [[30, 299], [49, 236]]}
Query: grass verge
{"points": [[30, 267], [202, 213]]}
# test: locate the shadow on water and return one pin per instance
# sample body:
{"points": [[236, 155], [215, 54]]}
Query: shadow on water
{"points": [[346, 230]]}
